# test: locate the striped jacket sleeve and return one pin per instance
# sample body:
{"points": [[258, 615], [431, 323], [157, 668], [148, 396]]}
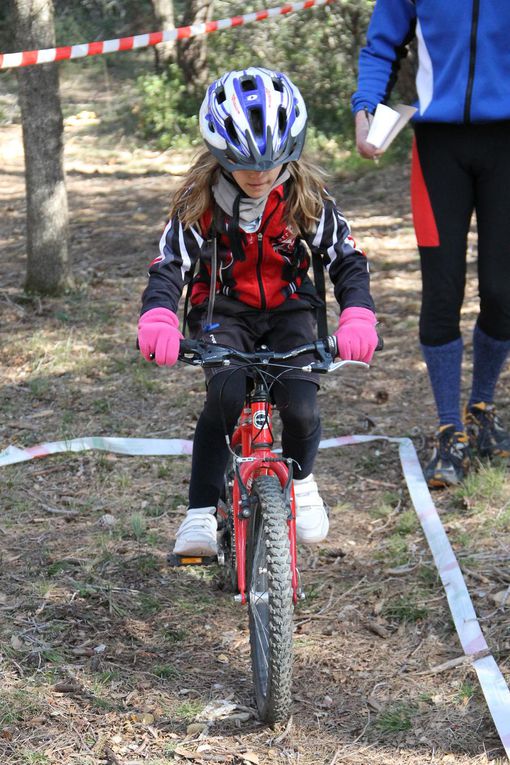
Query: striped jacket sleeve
{"points": [[343, 259], [179, 250]]}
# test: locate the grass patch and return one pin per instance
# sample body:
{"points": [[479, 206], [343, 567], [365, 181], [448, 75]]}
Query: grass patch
{"points": [[395, 551], [396, 719], [174, 635], [18, 705], [428, 576], [466, 692], [29, 757], [188, 710], [485, 489], [407, 523], [405, 608], [148, 604], [166, 671], [138, 526]]}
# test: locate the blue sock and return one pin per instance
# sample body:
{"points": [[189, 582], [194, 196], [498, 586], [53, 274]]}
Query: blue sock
{"points": [[489, 356], [444, 365]]}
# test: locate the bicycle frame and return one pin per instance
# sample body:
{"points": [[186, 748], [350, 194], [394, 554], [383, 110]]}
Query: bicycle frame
{"points": [[254, 436], [258, 542]]}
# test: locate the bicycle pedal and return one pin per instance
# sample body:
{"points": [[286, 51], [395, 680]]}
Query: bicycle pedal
{"points": [[190, 560]]}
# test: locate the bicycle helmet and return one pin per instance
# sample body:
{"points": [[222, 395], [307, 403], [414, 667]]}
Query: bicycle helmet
{"points": [[253, 119]]}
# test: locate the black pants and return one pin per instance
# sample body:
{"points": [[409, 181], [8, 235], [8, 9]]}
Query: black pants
{"points": [[458, 169], [295, 395], [297, 403]]}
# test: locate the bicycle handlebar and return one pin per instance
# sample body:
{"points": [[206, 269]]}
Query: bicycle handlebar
{"points": [[207, 354]]}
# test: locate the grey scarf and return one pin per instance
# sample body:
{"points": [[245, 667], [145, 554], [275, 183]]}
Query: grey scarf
{"points": [[225, 193]]}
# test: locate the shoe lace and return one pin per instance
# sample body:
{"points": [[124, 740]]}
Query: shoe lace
{"points": [[449, 441], [488, 419], [445, 442]]}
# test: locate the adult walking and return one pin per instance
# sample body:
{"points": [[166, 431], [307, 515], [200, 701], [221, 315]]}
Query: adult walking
{"points": [[460, 164]]}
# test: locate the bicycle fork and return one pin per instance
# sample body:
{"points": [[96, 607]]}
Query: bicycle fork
{"points": [[255, 437]]}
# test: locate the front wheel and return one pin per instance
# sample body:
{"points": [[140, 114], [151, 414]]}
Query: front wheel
{"points": [[270, 600]]}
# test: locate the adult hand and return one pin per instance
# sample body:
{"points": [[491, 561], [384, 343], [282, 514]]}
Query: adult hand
{"points": [[159, 336], [356, 335], [362, 121]]}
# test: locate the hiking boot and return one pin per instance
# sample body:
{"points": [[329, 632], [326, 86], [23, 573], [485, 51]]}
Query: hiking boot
{"points": [[451, 458], [485, 431], [312, 522], [196, 535]]}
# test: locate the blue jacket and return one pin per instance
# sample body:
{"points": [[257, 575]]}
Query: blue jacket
{"points": [[463, 58]]}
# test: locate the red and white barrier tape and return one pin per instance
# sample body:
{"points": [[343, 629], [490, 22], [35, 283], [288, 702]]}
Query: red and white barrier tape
{"points": [[30, 57], [474, 645]]}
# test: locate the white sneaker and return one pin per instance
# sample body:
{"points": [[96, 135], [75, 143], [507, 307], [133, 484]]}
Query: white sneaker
{"points": [[197, 533], [312, 522]]}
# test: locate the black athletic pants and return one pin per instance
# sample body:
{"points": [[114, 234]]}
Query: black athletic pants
{"points": [[295, 394], [458, 169], [297, 403]]}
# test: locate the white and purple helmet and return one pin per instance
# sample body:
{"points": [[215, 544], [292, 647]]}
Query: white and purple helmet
{"points": [[253, 119]]}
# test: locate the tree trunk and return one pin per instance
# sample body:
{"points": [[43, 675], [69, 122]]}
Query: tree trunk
{"points": [[48, 260], [192, 53], [164, 14]]}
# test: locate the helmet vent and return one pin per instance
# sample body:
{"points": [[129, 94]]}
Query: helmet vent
{"points": [[282, 120], [248, 84], [220, 95], [278, 85], [231, 131], [257, 121]]}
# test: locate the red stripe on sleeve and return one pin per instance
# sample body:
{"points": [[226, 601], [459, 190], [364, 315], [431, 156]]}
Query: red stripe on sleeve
{"points": [[425, 226]]}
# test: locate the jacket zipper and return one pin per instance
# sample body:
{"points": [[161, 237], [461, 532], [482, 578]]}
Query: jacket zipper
{"points": [[259, 270], [260, 256], [472, 60]]}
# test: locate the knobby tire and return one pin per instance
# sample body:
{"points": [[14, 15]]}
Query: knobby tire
{"points": [[270, 600]]}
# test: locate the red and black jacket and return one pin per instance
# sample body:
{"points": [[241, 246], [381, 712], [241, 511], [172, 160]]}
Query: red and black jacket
{"points": [[269, 267]]}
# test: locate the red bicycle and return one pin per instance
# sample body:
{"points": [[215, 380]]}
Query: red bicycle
{"points": [[257, 522]]}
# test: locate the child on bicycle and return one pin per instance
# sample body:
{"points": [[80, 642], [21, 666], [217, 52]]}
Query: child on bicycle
{"points": [[264, 208]]}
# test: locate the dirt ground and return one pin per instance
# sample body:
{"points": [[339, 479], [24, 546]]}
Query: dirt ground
{"points": [[109, 656]]}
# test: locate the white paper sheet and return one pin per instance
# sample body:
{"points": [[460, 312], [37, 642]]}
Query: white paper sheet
{"points": [[387, 124]]}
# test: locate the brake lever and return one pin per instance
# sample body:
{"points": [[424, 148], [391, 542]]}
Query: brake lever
{"points": [[320, 366], [348, 363]]}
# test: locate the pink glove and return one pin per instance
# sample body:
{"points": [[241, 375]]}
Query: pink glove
{"points": [[356, 335], [159, 335]]}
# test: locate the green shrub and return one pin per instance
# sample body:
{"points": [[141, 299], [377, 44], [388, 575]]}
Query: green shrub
{"points": [[167, 114]]}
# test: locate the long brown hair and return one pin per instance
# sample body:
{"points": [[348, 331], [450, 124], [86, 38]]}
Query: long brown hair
{"points": [[303, 205]]}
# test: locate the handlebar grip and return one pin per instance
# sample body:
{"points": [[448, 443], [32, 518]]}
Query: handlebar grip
{"points": [[332, 344], [187, 345]]}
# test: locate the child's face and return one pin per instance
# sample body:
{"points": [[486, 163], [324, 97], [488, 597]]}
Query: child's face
{"points": [[256, 183]]}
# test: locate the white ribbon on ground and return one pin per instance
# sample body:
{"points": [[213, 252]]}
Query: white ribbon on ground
{"points": [[474, 645]]}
